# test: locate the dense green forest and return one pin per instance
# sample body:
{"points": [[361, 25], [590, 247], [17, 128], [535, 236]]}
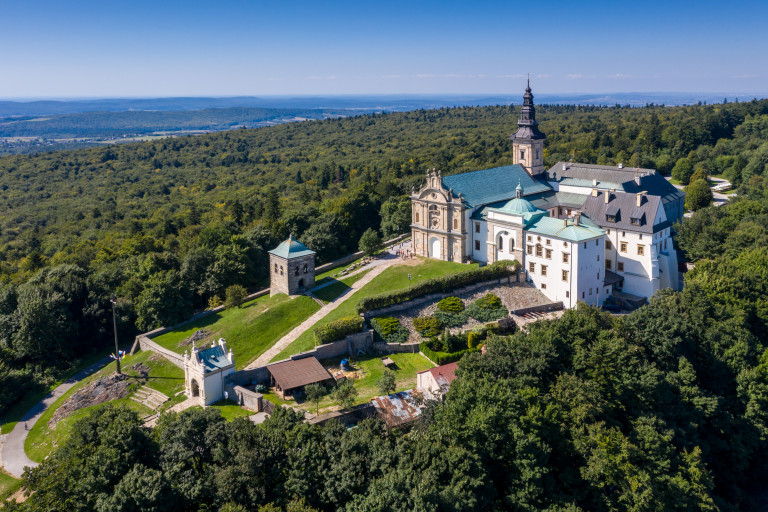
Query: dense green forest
{"points": [[662, 409], [168, 225]]}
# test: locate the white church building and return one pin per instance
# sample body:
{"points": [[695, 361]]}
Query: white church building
{"points": [[581, 231]]}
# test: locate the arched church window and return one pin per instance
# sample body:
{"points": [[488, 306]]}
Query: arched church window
{"points": [[511, 244], [296, 271], [501, 244], [281, 270], [276, 268], [305, 269], [416, 217]]}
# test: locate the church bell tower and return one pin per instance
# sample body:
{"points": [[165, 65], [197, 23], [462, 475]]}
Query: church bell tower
{"points": [[528, 141]]}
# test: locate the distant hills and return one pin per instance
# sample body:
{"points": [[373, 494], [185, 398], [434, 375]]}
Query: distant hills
{"points": [[45, 125]]}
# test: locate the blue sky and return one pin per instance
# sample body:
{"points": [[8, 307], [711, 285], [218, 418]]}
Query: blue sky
{"points": [[53, 48]]}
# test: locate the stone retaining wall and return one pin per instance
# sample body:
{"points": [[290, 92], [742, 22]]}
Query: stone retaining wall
{"points": [[541, 308], [434, 297], [247, 398], [145, 343]]}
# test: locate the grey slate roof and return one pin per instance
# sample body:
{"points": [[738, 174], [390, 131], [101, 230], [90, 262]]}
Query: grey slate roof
{"points": [[213, 358], [493, 185], [608, 177], [624, 207], [291, 248]]}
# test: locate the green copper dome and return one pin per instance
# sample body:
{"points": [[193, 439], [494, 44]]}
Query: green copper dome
{"points": [[518, 206]]}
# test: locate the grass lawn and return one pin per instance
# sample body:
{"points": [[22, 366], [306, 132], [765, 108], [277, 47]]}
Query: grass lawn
{"points": [[32, 397], [163, 376], [250, 329], [370, 368], [332, 291], [8, 485], [258, 324], [230, 410], [394, 278]]}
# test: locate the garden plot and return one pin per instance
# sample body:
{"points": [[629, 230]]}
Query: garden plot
{"points": [[513, 296]]}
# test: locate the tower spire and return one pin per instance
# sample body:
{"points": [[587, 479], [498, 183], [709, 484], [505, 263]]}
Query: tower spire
{"points": [[528, 140]]}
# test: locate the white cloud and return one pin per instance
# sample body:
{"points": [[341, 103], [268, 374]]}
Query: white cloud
{"points": [[619, 75]]}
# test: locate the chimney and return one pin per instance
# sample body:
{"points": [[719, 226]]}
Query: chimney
{"points": [[577, 219], [565, 166], [640, 197], [607, 196], [594, 183], [594, 192], [637, 180], [621, 165]]}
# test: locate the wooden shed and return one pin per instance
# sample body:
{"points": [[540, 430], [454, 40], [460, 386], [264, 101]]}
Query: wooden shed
{"points": [[289, 377]]}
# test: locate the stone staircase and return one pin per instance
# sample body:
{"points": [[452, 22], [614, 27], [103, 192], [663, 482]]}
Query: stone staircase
{"points": [[149, 397]]}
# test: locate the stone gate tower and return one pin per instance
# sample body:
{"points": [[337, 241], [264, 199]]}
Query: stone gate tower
{"points": [[528, 141], [291, 268]]}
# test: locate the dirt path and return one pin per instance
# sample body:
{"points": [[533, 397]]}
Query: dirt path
{"points": [[12, 455]]}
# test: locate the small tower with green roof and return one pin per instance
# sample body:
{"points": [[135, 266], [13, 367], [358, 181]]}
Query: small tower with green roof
{"points": [[291, 268]]}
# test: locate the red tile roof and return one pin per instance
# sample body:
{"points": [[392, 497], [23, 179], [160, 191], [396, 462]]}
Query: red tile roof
{"points": [[444, 374]]}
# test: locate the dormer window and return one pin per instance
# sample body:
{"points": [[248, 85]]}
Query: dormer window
{"points": [[635, 222], [610, 218]]}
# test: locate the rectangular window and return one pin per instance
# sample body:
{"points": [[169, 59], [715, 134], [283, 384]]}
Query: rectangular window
{"points": [[543, 270], [665, 245], [560, 211], [569, 212], [530, 249], [549, 242], [635, 222], [597, 242], [583, 294], [417, 217], [477, 245], [565, 275], [608, 244], [548, 254], [529, 238], [585, 245], [598, 278], [565, 257], [608, 264], [455, 223], [477, 228], [598, 257], [538, 250], [623, 247], [623, 233], [620, 266], [640, 250], [567, 294], [641, 237], [543, 286], [590, 291], [608, 231], [532, 267]]}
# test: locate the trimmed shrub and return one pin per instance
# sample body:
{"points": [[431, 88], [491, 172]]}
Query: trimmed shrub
{"points": [[427, 326], [440, 358], [451, 305], [506, 325], [338, 329], [451, 319], [442, 284], [389, 330], [487, 308]]}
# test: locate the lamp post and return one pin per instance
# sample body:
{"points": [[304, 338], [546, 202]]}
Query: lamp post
{"points": [[114, 326]]}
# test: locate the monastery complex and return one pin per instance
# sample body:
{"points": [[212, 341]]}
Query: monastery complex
{"points": [[582, 232]]}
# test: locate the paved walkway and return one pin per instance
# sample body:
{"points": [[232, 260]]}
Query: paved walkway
{"points": [[378, 267], [12, 454]]}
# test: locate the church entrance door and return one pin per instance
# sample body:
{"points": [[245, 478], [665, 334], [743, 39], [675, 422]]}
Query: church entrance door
{"points": [[434, 248], [195, 388]]}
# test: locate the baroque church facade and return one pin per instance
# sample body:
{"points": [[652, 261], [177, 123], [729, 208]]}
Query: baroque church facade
{"points": [[581, 231]]}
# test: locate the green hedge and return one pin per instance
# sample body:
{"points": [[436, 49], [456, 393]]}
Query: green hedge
{"points": [[441, 284], [440, 358], [389, 330], [338, 329]]}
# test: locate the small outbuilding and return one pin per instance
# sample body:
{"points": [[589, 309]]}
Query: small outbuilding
{"points": [[436, 381], [291, 268], [205, 372], [290, 377]]}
